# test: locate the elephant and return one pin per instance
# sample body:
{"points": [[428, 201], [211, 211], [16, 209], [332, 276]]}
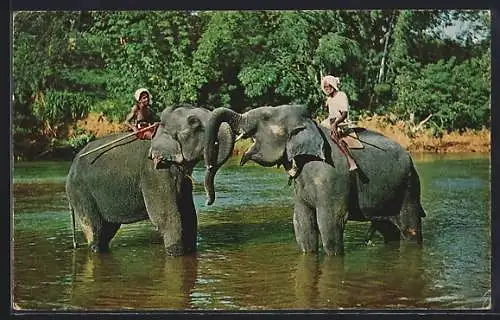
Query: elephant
{"points": [[385, 189], [133, 180]]}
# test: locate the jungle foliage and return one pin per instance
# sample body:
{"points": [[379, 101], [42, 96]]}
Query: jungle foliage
{"points": [[400, 62]]}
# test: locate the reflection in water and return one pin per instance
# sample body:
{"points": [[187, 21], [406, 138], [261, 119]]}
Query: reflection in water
{"points": [[356, 282], [106, 281], [247, 256], [306, 276], [277, 277], [401, 284]]}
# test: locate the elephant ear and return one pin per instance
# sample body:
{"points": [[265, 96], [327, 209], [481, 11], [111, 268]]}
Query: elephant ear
{"points": [[305, 139]]}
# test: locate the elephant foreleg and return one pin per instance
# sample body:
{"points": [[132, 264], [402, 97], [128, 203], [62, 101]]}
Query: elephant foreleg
{"points": [[306, 230], [175, 221], [168, 223], [331, 224], [189, 220], [169, 204]]}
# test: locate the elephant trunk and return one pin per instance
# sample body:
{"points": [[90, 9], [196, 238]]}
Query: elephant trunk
{"points": [[213, 161], [225, 143]]}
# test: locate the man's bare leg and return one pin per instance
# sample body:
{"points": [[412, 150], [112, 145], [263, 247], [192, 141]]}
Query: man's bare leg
{"points": [[343, 148]]}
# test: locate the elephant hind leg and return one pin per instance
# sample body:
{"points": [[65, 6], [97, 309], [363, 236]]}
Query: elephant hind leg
{"points": [[369, 234], [411, 213], [406, 223], [388, 229], [393, 229], [107, 232], [97, 232], [85, 211], [412, 230]]}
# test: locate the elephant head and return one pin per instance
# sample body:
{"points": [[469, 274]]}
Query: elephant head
{"points": [[279, 134], [179, 138]]}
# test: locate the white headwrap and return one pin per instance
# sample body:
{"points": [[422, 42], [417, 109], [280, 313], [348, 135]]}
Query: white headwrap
{"points": [[330, 80], [138, 92]]}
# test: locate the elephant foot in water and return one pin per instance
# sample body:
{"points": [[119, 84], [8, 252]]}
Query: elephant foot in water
{"points": [[390, 231], [179, 248], [334, 252], [100, 238], [174, 250], [387, 229], [96, 247]]}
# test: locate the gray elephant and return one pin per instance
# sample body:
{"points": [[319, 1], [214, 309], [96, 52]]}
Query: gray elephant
{"points": [[133, 180], [385, 190]]}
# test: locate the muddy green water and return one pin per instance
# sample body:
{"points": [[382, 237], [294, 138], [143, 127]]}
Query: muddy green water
{"points": [[247, 257]]}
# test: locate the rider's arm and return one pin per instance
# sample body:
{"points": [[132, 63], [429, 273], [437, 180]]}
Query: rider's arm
{"points": [[130, 117]]}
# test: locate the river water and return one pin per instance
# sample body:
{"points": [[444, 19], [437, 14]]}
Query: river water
{"points": [[247, 258]]}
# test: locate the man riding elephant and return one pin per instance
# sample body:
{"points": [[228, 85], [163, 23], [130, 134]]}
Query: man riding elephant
{"points": [[119, 179], [141, 116], [338, 114], [326, 193]]}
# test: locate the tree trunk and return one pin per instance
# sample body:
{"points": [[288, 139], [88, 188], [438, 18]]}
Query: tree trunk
{"points": [[384, 55]]}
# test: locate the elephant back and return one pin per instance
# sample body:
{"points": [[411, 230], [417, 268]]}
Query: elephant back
{"points": [[130, 149], [385, 169], [111, 177]]}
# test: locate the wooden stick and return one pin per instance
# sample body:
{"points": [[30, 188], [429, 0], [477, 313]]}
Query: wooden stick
{"points": [[119, 139]]}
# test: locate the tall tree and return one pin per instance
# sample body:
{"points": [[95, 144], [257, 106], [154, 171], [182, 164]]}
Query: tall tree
{"points": [[46, 85]]}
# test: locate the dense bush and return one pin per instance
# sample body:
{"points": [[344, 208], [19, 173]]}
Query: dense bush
{"points": [[66, 64], [80, 138], [57, 108]]}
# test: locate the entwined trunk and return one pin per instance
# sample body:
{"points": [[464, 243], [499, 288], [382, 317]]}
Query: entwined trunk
{"points": [[212, 159]]}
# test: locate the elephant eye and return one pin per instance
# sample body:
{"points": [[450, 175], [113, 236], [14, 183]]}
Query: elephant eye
{"points": [[192, 120]]}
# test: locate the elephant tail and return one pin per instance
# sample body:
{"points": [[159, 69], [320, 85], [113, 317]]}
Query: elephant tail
{"points": [[415, 185], [73, 225]]}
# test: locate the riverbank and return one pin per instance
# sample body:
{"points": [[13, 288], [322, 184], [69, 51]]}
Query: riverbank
{"points": [[419, 141], [424, 140]]}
